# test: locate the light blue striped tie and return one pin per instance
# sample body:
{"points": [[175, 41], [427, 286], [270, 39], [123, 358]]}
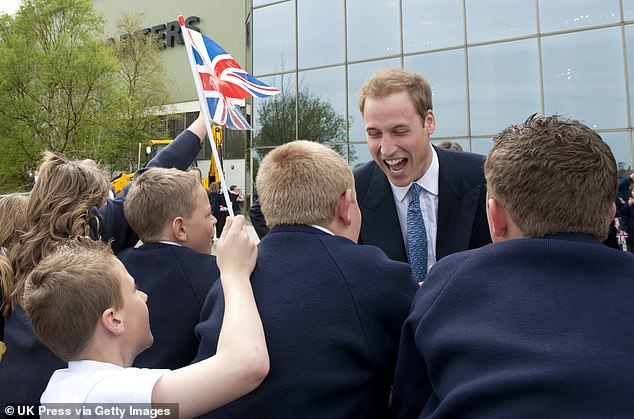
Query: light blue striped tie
{"points": [[416, 236]]}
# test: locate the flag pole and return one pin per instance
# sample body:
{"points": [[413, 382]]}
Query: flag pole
{"points": [[205, 109]]}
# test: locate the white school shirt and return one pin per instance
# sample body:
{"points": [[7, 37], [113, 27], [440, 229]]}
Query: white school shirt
{"points": [[101, 382], [428, 204]]}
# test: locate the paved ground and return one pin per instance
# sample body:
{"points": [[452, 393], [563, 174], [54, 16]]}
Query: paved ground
{"points": [[249, 229]]}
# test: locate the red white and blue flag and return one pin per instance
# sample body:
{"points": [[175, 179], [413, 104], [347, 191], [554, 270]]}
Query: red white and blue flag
{"points": [[224, 83]]}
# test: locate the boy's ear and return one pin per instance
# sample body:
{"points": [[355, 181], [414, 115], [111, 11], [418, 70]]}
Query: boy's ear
{"points": [[498, 220], [343, 207], [178, 229], [112, 322]]}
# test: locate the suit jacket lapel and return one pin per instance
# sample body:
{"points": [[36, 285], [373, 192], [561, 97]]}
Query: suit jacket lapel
{"points": [[380, 225], [457, 204]]}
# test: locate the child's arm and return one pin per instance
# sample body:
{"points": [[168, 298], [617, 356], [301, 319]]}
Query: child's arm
{"points": [[241, 361]]}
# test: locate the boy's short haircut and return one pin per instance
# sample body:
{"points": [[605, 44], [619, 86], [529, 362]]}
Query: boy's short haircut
{"points": [[156, 198], [301, 182], [553, 175], [395, 80], [67, 292]]}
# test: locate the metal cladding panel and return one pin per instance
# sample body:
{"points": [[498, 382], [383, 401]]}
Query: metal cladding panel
{"points": [[221, 20]]}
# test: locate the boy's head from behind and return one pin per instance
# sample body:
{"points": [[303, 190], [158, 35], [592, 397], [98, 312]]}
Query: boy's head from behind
{"points": [[169, 204], [303, 182], [70, 292], [552, 175]]}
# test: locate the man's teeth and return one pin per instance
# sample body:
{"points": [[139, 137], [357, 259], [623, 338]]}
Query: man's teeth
{"points": [[393, 162]]}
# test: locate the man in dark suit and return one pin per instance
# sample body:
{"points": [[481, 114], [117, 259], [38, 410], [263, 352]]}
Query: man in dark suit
{"points": [[538, 324], [332, 310], [396, 106]]}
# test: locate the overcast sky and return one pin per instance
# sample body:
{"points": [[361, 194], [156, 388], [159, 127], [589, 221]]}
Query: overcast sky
{"points": [[9, 6]]}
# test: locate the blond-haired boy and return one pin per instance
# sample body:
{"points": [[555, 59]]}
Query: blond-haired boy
{"points": [[332, 309], [169, 210]]}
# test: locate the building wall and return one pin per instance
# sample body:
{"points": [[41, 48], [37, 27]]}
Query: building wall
{"points": [[221, 20], [491, 63], [224, 21]]}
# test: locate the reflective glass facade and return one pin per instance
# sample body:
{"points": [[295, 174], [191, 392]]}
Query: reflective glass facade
{"points": [[491, 63]]}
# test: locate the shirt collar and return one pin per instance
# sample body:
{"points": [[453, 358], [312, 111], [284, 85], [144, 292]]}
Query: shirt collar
{"points": [[324, 229], [170, 243], [429, 181]]}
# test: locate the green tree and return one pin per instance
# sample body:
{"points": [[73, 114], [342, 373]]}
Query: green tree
{"points": [[142, 91], [64, 89], [55, 76]]}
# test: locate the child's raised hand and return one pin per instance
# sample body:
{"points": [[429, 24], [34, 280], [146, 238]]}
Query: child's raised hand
{"points": [[236, 252]]}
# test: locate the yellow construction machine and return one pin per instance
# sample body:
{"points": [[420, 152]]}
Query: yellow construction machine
{"points": [[154, 146]]}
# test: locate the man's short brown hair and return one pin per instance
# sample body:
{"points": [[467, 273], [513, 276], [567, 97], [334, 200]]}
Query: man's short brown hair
{"points": [[386, 82], [553, 175], [156, 198], [301, 182], [67, 292]]}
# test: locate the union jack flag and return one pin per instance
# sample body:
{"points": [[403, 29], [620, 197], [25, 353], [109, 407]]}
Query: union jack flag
{"points": [[225, 84]]}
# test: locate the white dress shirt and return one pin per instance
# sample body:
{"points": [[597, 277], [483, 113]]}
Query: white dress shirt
{"points": [[428, 203]]}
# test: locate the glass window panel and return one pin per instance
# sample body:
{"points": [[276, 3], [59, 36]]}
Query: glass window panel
{"points": [[584, 77], [432, 24], [503, 85], [258, 154], [629, 46], [620, 145], [320, 26], [274, 39], [358, 154], [462, 142], [373, 29], [274, 117], [481, 145], [488, 20], [628, 9], [326, 83], [445, 72], [357, 75], [556, 15], [322, 106]]}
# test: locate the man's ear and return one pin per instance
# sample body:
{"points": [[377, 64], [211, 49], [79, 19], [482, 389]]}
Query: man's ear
{"points": [[178, 229], [343, 207], [112, 321], [612, 211], [430, 122], [498, 219]]}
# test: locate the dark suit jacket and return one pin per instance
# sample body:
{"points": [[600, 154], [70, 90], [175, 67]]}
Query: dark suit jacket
{"points": [[526, 328], [462, 222], [332, 313], [176, 280]]}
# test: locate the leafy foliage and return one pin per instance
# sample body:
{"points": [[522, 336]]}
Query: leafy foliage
{"points": [[62, 88]]}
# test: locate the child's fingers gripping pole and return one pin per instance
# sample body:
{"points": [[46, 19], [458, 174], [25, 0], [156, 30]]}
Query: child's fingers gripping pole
{"points": [[236, 250]]}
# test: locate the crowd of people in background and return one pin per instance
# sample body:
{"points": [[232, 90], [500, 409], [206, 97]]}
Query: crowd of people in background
{"points": [[428, 282]]}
